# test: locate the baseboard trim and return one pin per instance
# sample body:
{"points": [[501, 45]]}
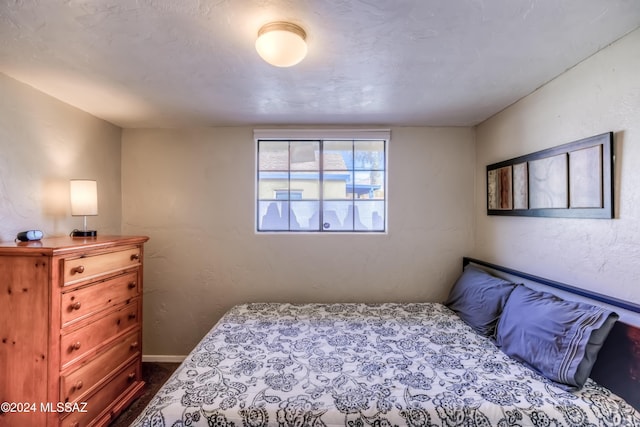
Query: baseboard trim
{"points": [[163, 358]]}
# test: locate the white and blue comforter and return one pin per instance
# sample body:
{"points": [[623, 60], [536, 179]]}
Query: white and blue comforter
{"points": [[365, 365]]}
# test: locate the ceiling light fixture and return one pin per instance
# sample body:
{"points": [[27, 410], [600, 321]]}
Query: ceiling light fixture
{"points": [[282, 44]]}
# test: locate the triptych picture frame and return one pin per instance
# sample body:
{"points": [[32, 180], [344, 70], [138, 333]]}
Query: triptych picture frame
{"points": [[573, 180]]}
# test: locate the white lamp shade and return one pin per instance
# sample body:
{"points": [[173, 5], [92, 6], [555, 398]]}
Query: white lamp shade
{"points": [[281, 44], [84, 197]]}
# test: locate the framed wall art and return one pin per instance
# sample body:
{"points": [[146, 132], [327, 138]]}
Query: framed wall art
{"points": [[573, 180]]}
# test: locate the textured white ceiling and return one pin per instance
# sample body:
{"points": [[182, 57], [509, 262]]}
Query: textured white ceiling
{"points": [[166, 63]]}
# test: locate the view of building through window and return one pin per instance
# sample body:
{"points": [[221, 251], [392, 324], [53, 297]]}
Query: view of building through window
{"points": [[321, 185]]}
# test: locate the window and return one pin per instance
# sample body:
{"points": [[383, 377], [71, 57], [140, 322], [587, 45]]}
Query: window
{"points": [[310, 183]]}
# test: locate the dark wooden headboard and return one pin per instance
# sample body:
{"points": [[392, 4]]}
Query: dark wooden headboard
{"points": [[618, 363]]}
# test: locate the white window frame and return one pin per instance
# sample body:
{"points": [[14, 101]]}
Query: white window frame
{"points": [[325, 135]]}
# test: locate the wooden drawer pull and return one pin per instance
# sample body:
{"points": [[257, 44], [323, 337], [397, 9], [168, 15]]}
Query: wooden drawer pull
{"points": [[132, 285], [76, 305], [79, 269], [132, 316], [132, 376], [134, 344], [75, 424], [78, 385], [76, 346], [135, 257]]}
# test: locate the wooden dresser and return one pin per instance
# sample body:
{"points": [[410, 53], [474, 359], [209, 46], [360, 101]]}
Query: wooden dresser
{"points": [[70, 330]]}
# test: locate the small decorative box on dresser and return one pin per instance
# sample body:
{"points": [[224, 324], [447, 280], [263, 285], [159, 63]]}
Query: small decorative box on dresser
{"points": [[70, 330]]}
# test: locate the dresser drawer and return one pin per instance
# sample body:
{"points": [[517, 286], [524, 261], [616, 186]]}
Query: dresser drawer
{"points": [[86, 300], [103, 398], [78, 343], [88, 267], [83, 379]]}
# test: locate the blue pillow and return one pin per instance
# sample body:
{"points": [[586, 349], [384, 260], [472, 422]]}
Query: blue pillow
{"points": [[478, 298], [557, 338]]}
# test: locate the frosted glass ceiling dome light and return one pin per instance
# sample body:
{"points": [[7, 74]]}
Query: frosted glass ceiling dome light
{"points": [[282, 44]]}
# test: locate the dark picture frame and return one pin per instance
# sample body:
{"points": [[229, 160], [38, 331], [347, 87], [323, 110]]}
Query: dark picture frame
{"points": [[573, 180]]}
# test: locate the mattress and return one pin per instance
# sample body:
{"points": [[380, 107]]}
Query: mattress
{"points": [[365, 365]]}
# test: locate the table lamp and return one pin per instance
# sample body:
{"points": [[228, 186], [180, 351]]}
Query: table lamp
{"points": [[84, 202]]}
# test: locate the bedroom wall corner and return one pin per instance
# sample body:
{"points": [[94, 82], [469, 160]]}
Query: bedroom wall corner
{"points": [[599, 95], [44, 143]]}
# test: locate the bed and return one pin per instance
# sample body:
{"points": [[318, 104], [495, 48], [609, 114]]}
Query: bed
{"points": [[411, 364]]}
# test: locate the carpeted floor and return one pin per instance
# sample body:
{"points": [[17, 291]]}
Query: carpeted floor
{"points": [[154, 374]]}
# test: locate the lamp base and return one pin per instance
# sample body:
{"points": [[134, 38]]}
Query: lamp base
{"points": [[84, 233]]}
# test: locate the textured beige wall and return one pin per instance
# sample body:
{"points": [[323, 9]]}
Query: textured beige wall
{"points": [[599, 95], [43, 144], [192, 192]]}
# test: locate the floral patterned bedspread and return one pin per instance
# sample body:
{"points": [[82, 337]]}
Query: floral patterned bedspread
{"points": [[364, 365]]}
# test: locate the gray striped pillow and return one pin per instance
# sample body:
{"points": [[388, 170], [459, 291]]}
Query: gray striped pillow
{"points": [[559, 339]]}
